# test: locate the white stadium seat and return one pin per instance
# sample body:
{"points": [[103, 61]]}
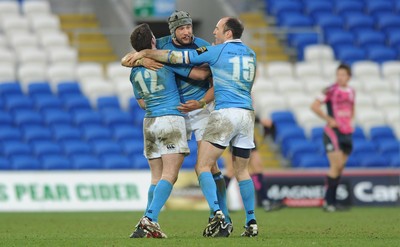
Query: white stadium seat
{"points": [[365, 69], [55, 39], [318, 53], [31, 8], [391, 69], [57, 73], [306, 70], [363, 100], [288, 85], [23, 40], [89, 70], [7, 72], [9, 8], [377, 84], [7, 55], [279, 69], [45, 23], [15, 23], [32, 56], [29, 73], [63, 56], [116, 70]]}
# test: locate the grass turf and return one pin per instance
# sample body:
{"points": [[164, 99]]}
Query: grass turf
{"points": [[288, 227]]}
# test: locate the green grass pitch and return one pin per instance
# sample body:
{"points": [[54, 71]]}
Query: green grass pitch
{"points": [[288, 227]]}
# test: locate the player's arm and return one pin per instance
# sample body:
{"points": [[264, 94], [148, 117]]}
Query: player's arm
{"points": [[141, 103], [192, 105], [148, 63], [316, 108], [200, 73], [164, 56]]}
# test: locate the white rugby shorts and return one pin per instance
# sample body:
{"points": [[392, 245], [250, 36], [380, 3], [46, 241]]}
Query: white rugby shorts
{"points": [[196, 121]]}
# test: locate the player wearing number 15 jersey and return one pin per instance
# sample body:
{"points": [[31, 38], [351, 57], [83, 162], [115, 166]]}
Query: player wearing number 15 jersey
{"points": [[233, 66]]}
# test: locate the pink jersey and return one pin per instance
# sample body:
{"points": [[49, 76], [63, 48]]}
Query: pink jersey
{"points": [[340, 104]]}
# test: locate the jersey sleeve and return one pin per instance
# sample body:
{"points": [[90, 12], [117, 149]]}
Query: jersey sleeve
{"points": [[204, 54], [325, 95], [131, 78], [181, 69]]}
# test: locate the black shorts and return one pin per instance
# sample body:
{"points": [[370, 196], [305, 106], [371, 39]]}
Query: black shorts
{"points": [[335, 140]]}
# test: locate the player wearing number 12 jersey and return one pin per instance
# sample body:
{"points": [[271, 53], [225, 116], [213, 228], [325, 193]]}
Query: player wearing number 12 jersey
{"points": [[165, 143], [233, 66]]}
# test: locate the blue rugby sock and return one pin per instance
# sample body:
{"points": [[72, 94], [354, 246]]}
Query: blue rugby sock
{"points": [[150, 193], [160, 196], [248, 198], [209, 189], [221, 194]]}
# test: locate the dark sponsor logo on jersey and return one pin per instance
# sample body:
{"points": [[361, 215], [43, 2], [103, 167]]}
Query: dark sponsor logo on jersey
{"points": [[170, 146], [201, 50]]}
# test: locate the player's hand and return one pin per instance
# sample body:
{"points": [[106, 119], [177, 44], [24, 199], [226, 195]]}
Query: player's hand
{"points": [[332, 123], [189, 105], [131, 58], [127, 60], [151, 64]]}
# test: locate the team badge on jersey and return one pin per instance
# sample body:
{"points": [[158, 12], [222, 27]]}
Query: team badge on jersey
{"points": [[201, 50]]}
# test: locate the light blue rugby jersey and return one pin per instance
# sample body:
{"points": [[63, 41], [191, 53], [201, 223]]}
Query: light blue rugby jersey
{"points": [[233, 66], [158, 89], [188, 89]]}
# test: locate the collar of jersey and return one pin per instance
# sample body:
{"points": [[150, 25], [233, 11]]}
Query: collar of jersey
{"points": [[233, 40]]}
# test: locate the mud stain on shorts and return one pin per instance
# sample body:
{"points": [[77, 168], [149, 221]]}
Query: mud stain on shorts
{"points": [[217, 128]]}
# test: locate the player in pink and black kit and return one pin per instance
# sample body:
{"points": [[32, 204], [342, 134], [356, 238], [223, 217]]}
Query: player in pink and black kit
{"points": [[339, 99]]}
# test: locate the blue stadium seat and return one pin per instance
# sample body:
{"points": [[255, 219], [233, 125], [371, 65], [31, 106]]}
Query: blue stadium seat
{"points": [[39, 89], [108, 103], [25, 162], [373, 160], [53, 117], [9, 133], [298, 148], [5, 119], [116, 161], [337, 38], [5, 164], [295, 20], [138, 116], [279, 117], [27, 118], [66, 133], [18, 102], [315, 8], [123, 132], [87, 117], [41, 148], [48, 102], [393, 38], [133, 105], [284, 6], [386, 22], [76, 147], [301, 40], [345, 8], [363, 147], [375, 8], [56, 162], [329, 22], [76, 103], [359, 22], [353, 161], [366, 39], [103, 147], [10, 89], [139, 162], [378, 133], [350, 54], [69, 89], [86, 162], [96, 133], [394, 161], [380, 54], [317, 134], [35, 133], [313, 161], [386, 146], [132, 146], [358, 134], [117, 117]]}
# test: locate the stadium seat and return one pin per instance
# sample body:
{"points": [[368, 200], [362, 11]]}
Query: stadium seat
{"points": [[57, 73], [353, 161], [381, 132], [96, 133], [363, 69], [390, 145], [55, 162], [46, 24], [132, 146], [124, 131], [5, 164], [394, 161], [287, 134], [139, 162], [373, 160], [5, 119], [53, 117], [338, 38], [86, 162], [381, 54], [116, 161], [9, 8], [375, 8], [76, 103], [63, 56], [289, 85], [346, 8], [103, 148], [313, 161], [116, 117], [42, 148], [52, 39], [279, 117], [31, 56], [89, 70], [279, 7], [69, 89], [108, 103], [9, 133], [391, 69], [318, 53], [27, 118], [25, 162], [359, 22], [115, 70], [33, 8], [314, 8], [304, 69], [87, 118], [28, 73], [13, 148], [386, 99], [33, 133], [66, 133], [18, 103], [14, 24], [40, 89], [280, 69], [387, 22], [48, 102], [296, 148], [363, 147], [7, 71], [76, 147], [371, 38], [351, 54], [358, 134], [10, 89], [294, 20], [329, 22]]}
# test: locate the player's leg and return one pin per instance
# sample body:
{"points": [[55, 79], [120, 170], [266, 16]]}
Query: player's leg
{"points": [[241, 159]]}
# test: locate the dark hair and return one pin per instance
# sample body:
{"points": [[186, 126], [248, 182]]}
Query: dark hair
{"points": [[141, 37], [345, 67], [235, 25]]}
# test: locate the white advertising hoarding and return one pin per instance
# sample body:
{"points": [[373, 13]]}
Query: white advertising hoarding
{"points": [[74, 191]]}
